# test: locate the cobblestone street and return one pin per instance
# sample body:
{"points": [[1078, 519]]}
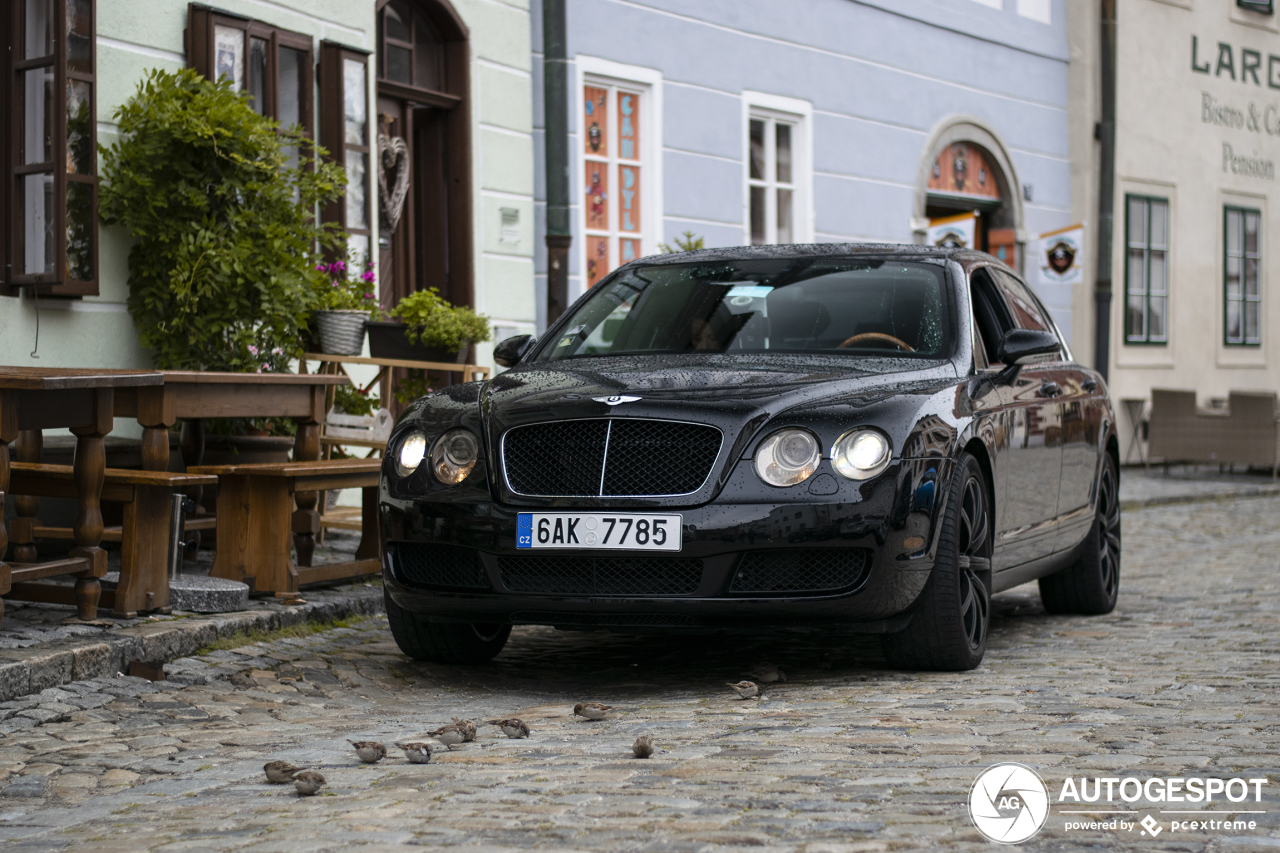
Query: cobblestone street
{"points": [[1180, 681]]}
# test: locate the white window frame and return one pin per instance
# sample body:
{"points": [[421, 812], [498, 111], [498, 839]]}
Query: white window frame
{"points": [[647, 83], [798, 114]]}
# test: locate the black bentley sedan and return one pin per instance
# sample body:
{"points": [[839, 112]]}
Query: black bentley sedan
{"points": [[867, 438]]}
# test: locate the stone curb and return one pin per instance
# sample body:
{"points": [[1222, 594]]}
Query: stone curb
{"points": [[1167, 500], [30, 670]]}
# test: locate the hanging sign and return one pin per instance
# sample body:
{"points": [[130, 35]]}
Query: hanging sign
{"points": [[1060, 254], [954, 232]]}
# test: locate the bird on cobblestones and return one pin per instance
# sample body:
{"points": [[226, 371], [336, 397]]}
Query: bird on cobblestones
{"points": [[746, 689], [308, 782], [450, 736], [512, 727], [280, 772], [370, 751], [767, 673], [591, 710], [468, 727], [418, 752], [643, 747]]}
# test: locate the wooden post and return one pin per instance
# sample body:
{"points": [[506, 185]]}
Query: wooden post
{"points": [[8, 432], [90, 469], [29, 447], [306, 448]]}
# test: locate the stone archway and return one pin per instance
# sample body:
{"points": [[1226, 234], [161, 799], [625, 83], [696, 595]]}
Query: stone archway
{"points": [[996, 195]]}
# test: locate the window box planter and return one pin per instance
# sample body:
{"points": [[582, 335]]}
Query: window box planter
{"points": [[387, 340]]}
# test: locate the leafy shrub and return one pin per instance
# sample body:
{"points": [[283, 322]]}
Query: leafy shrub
{"points": [[220, 201], [432, 321], [353, 400], [686, 242]]}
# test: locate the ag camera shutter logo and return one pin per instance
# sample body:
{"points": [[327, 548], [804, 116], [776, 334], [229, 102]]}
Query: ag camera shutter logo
{"points": [[1009, 803]]}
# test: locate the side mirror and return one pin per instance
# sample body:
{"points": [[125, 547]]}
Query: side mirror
{"points": [[1025, 346], [509, 352]]}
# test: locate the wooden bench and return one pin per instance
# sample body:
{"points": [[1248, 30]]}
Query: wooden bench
{"points": [[256, 517], [144, 536]]}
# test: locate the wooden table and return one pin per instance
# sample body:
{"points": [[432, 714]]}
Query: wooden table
{"points": [[194, 395], [82, 400]]}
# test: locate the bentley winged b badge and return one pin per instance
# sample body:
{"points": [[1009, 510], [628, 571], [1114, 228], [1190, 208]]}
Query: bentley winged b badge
{"points": [[615, 400]]}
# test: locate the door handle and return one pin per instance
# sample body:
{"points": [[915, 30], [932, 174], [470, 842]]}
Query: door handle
{"points": [[1089, 385], [1049, 389]]}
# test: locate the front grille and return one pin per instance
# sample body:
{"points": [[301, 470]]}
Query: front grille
{"points": [[601, 575], [801, 570], [609, 458], [605, 620], [424, 564]]}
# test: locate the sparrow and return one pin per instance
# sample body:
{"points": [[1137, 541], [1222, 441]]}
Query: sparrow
{"points": [[510, 727], [767, 673], [591, 710], [370, 751], [468, 728], [450, 736], [280, 772], [308, 782], [417, 752], [746, 689], [643, 747]]}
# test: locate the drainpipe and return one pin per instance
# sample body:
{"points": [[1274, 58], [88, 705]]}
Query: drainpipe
{"points": [[1106, 193], [555, 81]]}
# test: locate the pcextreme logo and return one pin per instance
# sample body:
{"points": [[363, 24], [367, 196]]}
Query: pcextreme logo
{"points": [[1009, 803]]}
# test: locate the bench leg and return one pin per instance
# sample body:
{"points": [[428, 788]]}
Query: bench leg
{"points": [[306, 523], [90, 470], [369, 534], [144, 576], [253, 532], [29, 447], [233, 530]]}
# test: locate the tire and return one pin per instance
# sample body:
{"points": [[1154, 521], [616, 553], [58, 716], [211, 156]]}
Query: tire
{"points": [[948, 631], [1091, 585], [444, 642]]}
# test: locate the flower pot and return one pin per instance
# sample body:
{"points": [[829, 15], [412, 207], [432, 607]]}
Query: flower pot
{"points": [[341, 332], [387, 340]]}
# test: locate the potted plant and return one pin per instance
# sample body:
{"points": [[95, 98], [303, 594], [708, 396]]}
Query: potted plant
{"points": [[430, 329], [346, 305]]}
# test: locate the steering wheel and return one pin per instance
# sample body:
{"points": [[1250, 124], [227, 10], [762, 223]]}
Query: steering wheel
{"points": [[877, 336]]}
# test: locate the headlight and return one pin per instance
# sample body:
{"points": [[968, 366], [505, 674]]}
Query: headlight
{"points": [[861, 454], [453, 456], [412, 449], [788, 457]]}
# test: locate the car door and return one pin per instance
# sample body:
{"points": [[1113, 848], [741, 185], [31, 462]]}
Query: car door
{"points": [[1026, 518]]}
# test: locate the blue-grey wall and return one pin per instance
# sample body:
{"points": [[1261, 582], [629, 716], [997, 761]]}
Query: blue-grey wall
{"points": [[880, 75]]}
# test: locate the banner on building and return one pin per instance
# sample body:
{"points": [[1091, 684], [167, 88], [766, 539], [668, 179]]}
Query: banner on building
{"points": [[955, 232], [1060, 254]]}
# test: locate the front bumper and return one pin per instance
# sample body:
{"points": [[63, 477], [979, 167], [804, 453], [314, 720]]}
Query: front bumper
{"points": [[891, 522]]}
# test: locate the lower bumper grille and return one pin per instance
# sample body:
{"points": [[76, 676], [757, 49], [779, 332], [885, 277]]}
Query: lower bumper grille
{"points": [[425, 564], [605, 620], [801, 571], [601, 575]]}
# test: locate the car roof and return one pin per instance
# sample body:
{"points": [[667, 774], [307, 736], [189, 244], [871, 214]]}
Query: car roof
{"points": [[965, 257]]}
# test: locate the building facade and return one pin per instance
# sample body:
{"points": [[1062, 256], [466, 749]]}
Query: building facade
{"points": [[813, 120], [1197, 139], [425, 102]]}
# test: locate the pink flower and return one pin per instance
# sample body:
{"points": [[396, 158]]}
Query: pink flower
{"points": [[253, 350], [322, 268], [368, 296], [338, 266], [368, 276]]}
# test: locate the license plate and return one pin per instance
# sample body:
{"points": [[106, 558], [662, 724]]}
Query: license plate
{"points": [[630, 531]]}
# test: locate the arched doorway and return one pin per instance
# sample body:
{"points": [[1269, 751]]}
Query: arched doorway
{"points": [[966, 170], [423, 126]]}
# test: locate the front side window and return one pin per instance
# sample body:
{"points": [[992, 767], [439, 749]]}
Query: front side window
{"points": [[52, 153], [855, 306], [771, 179], [1242, 266], [1146, 273], [614, 154]]}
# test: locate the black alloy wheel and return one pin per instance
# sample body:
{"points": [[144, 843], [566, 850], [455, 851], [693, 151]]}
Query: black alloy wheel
{"points": [[1091, 585], [948, 630]]}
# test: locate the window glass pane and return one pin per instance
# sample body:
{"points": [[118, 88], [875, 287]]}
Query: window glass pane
{"points": [[39, 26], [757, 149], [358, 250], [784, 153], [1137, 280], [784, 216], [629, 207], [258, 75], [1235, 330], [80, 226], [37, 115], [1134, 316], [396, 21], [79, 128], [1157, 318], [427, 55], [397, 63], [1251, 233], [229, 55], [1158, 272], [628, 126], [630, 251], [597, 190], [291, 72], [79, 36], [1159, 224], [1251, 323], [1233, 276], [595, 118], [1233, 232], [1026, 314], [597, 259], [1251, 276], [37, 224], [357, 164], [758, 235], [354, 103], [1137, 222]]}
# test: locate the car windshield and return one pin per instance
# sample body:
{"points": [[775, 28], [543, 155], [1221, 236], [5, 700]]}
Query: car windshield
{"points": [[857, 307]]}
